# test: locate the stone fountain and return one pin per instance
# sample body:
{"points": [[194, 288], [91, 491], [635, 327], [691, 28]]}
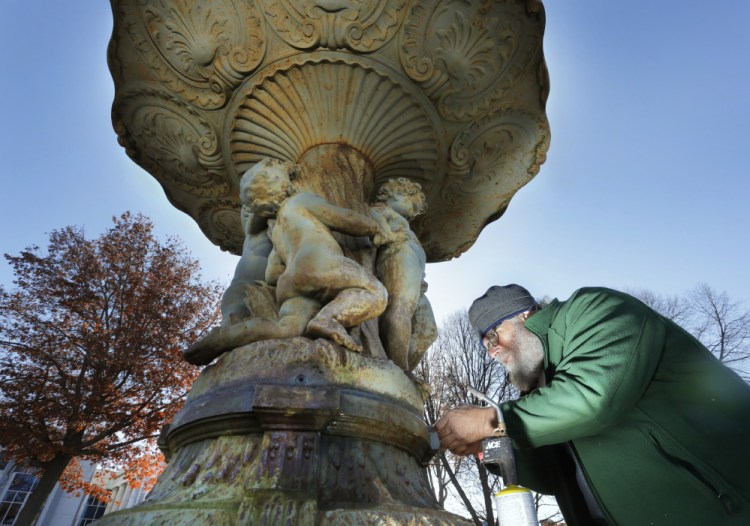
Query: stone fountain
{"points": [[336, 146]]}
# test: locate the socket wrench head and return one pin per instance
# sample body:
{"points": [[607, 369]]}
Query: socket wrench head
{"points": [[498, 458]]}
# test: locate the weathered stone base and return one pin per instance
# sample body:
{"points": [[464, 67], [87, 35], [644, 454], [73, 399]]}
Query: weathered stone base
{"points": [[295, 433], [282, 513]]}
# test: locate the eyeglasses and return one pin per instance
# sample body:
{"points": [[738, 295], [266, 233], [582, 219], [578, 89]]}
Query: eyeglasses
{"points": [[492, 338]]}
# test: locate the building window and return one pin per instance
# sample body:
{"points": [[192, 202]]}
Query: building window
{"points": [[21, 485], [94, 510]]}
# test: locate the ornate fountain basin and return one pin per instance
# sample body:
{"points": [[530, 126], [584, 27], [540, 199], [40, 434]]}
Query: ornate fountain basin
{"points": [[447, 93]]}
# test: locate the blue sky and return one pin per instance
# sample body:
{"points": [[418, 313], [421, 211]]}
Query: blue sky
{"points": [[645, 185]]}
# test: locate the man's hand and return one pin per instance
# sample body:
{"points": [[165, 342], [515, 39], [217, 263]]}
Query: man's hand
{"points": [[462, 429]]}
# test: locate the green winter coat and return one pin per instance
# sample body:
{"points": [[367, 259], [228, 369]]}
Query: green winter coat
{"points": [[660, 427]]}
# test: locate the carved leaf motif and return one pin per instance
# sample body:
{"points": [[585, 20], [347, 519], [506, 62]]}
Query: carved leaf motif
{"points": [[201, 49], [467, 55], [220, 220], [487, 152], [359, 25], [452, 242], [489, 160], [170, 139]]}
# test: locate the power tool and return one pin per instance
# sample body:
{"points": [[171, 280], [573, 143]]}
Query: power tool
{"points": [[515, 504]]}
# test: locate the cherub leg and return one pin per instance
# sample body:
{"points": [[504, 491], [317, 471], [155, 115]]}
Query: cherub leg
{"points": [[395, 327], [225, 338], [402, 277], [294, 315], [424, 331], [233, 308], [350, 307]]}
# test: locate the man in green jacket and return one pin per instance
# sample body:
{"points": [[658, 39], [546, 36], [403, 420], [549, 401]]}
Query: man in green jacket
{"points": [[624, 416]]}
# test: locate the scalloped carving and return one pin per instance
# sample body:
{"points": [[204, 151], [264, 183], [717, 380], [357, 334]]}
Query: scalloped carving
{"points": [[220, 220], [338, 99], [170, 139], [487, 154], [468, 55], [422, 88], [360, 25], [202, 50]]}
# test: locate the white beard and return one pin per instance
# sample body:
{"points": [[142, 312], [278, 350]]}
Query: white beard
{"points": [[527, 363]]}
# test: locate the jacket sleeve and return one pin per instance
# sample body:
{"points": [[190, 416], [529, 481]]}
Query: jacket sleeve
{"points": [[611, 344]]}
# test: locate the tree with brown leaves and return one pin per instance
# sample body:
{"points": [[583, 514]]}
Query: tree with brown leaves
{"points": [[91, 343]]}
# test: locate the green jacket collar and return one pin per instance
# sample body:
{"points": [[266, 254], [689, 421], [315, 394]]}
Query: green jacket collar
{"points": [[540, 323]]}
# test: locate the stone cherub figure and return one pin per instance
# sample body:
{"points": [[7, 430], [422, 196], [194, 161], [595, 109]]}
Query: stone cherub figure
{"points": [[250, 269], [320, 291], [308, 261], [407, 327]]}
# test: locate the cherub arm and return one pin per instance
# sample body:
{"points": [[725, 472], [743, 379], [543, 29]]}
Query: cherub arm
{"points": [[384, 220], [394, 226], [343, 220]]}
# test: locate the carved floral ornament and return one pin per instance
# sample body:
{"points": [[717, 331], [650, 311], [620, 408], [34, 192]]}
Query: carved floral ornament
{"points": [[171, 140], [448, 93], [202, 50], [468, 55], [222, 218], [360, 25], [490, 146]]}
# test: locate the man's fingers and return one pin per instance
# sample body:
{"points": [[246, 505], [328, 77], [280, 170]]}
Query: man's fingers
{"points": [[455, 444], [447, 440], [462, 429], [443, 421], [450, 437]]}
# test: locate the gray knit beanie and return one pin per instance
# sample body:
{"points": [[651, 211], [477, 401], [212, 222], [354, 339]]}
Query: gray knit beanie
{"points": [[499, 304]]}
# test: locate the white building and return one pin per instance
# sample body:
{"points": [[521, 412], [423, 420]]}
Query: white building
{"points": [[61, 508]]}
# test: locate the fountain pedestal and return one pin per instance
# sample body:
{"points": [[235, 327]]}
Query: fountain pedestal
{"points": [[296, 432]]}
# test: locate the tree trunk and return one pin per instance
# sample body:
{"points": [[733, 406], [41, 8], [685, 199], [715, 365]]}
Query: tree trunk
{"points": [[460, 490], [486, 491], [34, 504]]}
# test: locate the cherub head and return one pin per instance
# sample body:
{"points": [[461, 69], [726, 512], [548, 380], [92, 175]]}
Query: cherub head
{"points": [[265, 186], [404, 196]]}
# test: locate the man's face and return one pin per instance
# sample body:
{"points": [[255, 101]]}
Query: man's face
{"points": [[519, 350]]}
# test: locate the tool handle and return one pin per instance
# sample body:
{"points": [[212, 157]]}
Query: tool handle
{"points": [[491, 402]]}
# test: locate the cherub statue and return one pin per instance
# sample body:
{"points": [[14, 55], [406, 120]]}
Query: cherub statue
{"points": [[306, 260], [407, 327], [320, 291], [251, 268], [423, 328]]}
